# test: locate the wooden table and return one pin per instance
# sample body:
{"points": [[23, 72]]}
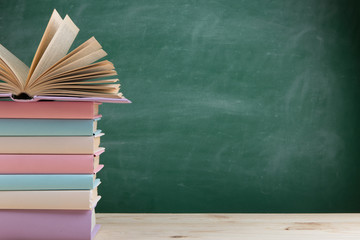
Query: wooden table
{"points": [[228, 226]]}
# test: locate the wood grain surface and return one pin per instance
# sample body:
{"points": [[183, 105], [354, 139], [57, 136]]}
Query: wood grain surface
{"points": [[228, 226]]}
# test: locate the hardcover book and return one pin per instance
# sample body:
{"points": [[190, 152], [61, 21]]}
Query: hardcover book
{"points": [[48, 127], [53, 72], [50, 145], [50, 164], [15, 182], [48, 224], [49, 110], [69, 199]]}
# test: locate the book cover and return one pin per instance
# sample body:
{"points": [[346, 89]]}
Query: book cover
{"points": [[48, 127], [15, 182], [51, 164], [50, 145], [48, 225], [49, 110], [69, 199]]}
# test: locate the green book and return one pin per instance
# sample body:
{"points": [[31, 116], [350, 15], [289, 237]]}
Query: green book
{"points": [[48, 127], [16, 182]]}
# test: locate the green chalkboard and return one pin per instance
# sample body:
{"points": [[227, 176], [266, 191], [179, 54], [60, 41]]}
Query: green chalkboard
{"points": [[238, 106]]}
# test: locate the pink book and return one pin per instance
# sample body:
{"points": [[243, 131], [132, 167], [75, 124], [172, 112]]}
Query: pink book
{"points": [[49, 110], [50, 164], [47, 225]]}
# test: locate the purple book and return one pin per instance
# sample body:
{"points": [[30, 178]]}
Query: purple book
{"points": [[70, 99], [47, 225]]}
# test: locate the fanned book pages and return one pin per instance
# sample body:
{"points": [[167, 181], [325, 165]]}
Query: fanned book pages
{"points": [[55, 74]]}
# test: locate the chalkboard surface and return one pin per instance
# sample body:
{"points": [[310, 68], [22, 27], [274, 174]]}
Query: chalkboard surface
{"points": [[238, 106]]}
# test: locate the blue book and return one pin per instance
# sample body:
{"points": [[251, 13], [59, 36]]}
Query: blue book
{"points": [[48, 127], [12, 182]]}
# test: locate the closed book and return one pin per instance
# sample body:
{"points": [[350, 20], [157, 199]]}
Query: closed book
{"points": [[51, 164], [14, 182], [50, 145], [48, 127], [71, 200], [48, 225], [49, 110]]}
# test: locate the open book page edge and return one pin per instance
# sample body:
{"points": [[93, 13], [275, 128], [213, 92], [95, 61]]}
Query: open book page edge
{"points": [[50, 30], [57, 48], [82, 62], [85, 54], [86, 48], [19, 68], [68, 99]]}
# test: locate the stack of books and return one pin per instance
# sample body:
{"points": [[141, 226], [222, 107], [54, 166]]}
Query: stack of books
{"points": [[49, 158], [49, 141]]}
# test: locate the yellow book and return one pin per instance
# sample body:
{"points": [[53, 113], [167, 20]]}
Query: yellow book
{"points": [[50, 145], [66, 200]]}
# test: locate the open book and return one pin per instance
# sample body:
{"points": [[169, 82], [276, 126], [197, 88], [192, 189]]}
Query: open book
{"points": [[56, 73]]}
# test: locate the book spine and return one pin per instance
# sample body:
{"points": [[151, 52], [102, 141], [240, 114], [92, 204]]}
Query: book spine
{"points": [[47, 224], [46, 127], [48, 110], [41, 164], [46, 182], [50, 200], [49, 145]]}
